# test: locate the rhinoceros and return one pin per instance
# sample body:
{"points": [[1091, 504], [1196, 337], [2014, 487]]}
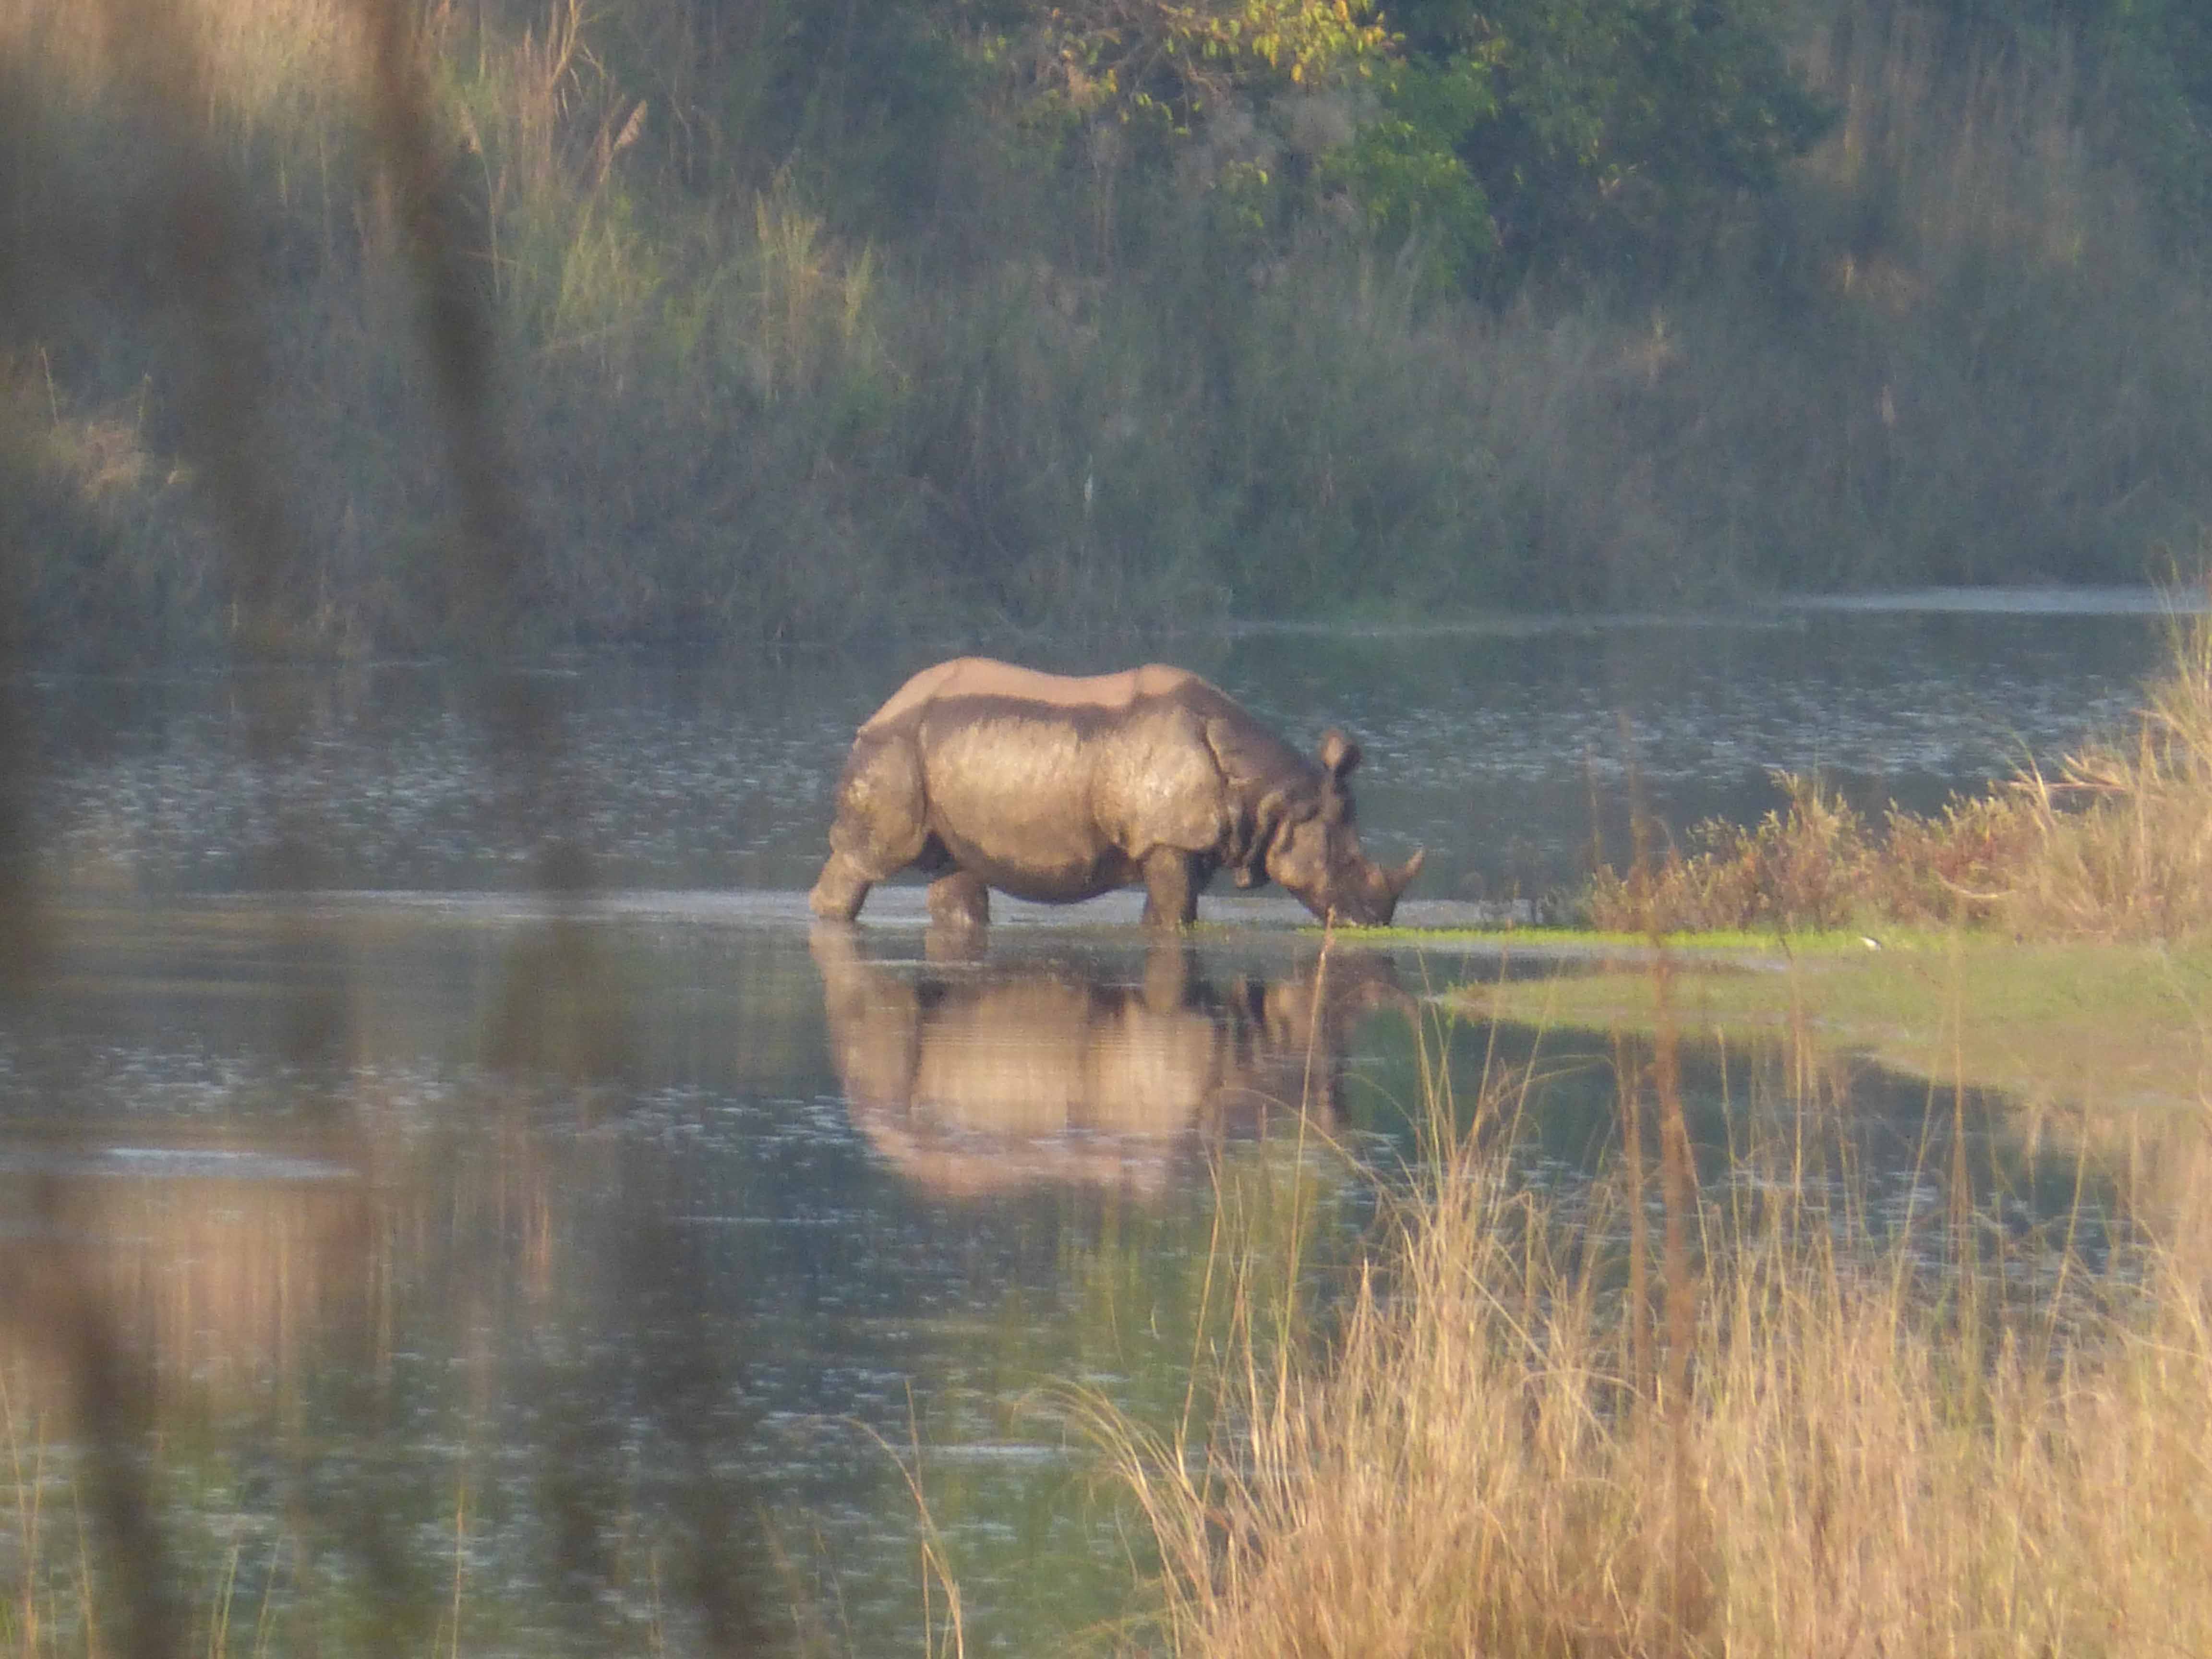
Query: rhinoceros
{"points": [[983, 774]]}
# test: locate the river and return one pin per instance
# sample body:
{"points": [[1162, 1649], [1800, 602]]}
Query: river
{"points": [[647, 1270]]}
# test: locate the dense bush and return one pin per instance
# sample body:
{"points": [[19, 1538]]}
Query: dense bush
{"points": [[943, 313]]}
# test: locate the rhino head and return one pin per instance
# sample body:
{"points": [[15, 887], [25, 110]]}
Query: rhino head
{"points": [[1313, 850]]}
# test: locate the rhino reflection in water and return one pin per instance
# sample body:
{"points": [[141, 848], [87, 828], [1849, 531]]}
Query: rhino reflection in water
{"points": [[975, 1081], [981, 775]]}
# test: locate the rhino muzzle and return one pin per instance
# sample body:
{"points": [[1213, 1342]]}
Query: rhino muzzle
{"points": [[1370, 897]]}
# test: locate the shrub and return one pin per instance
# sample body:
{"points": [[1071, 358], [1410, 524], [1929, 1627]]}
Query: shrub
{"points": [[1804, 865]]}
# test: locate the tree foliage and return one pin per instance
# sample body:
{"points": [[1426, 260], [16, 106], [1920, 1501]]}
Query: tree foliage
{"points": [[1612, 128], [1501, 136], [2151, 59], [1406, 170], [1183, 57]]}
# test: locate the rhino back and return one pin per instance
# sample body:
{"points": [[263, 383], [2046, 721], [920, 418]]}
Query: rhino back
{"points": [[984, 678], [1063, 801]]}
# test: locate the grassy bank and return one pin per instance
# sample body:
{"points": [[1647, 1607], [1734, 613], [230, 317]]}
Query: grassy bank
{"points": [[1762, 1417], [1789, 1410], [2048, 938], [2076, 1022], [1786, 1411], [783, 359]]}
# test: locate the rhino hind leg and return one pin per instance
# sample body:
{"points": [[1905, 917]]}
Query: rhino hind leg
{"points": [[879, 829], [840, 889], [1171, 889], [960, 901]]}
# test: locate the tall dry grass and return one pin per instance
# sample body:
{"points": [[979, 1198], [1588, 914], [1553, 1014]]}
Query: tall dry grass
{"points": [[2115, 841], [2122, 837], [1937, 354], [1538, 1432]]}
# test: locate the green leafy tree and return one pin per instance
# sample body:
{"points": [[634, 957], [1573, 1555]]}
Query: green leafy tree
{"points": [[1180, 57], [1607, 133], [1406, 171]]}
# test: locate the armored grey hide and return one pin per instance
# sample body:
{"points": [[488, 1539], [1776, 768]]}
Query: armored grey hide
{"points": [[983, 774]]}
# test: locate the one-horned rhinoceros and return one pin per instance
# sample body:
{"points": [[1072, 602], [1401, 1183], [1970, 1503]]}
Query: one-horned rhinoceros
{"points": [[983, 774]]}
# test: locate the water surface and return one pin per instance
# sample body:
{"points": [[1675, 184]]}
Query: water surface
{"points": [[592, 1277], [1503, 751]]}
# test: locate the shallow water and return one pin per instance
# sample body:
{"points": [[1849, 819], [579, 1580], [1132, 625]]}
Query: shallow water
{"points": [[1504, 752], [585, 1279], [746, 1217]]}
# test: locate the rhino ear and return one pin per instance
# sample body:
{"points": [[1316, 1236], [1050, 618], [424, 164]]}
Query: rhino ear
{"points": [[1338, 753], [1402, 877], [1243, 762]]}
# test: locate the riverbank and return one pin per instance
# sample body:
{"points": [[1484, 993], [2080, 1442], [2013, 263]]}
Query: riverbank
{"points": [[2107, 843], [1008, 370], [1764, 1416], [2048, 937], [2089, 1024]]}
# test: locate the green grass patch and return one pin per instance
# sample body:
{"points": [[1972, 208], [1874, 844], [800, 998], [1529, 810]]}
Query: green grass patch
{"points": [[1594, 941], [2076, 1022]]}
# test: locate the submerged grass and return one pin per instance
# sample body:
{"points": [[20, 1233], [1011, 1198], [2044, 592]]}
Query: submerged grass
{"points": [[1603, 944], [2082, 1023], [1756, 1423]]}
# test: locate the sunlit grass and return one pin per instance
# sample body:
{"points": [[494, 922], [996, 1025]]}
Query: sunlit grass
{"points": [[2085, 1022], [1754, 1423], [1779, 943]]}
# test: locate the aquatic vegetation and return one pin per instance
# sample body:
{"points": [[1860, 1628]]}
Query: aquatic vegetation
{"points": [[2082, 1023]]}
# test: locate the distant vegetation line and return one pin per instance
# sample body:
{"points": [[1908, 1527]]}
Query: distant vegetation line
{"points": [[936, 313]]}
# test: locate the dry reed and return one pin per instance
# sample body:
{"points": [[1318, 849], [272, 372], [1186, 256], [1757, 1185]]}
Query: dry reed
{"points": [[1851, 1445], [2115, 842]]}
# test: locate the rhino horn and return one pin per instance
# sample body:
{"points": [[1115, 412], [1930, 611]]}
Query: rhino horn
{"points": [[1402, 877], [1338, 753]]}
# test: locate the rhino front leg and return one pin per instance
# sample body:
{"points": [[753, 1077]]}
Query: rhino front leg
{"points": [[1171, 889], [960, 901]]}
